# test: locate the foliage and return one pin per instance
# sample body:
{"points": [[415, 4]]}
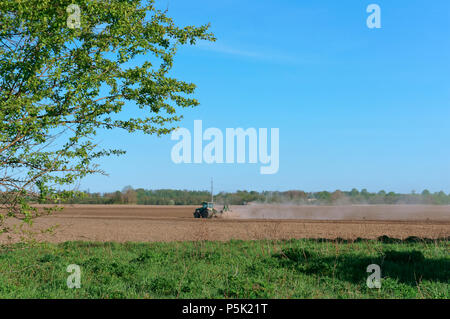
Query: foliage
{"points": [[186, 197], [61, 82]]}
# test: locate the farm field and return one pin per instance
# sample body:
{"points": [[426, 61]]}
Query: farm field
{"points": [[136, 223], [163, 252]]}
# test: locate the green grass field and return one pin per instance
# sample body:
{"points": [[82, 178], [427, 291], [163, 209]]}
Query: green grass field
{"points": [[235, 269]]}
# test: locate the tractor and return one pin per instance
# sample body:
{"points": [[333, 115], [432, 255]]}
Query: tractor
{"points": [[206, 211]]}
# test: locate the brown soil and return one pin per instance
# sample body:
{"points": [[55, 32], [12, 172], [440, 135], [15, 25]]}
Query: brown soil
{"points": [[176, 223]]}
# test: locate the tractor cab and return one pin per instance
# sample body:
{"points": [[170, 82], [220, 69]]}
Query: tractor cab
{"points": [[207, 205]]}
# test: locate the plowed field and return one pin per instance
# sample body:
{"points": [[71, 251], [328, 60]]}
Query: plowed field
{"points": [[176, 223]]}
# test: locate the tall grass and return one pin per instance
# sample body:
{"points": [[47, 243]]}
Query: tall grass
{"points": [[234, 269]]}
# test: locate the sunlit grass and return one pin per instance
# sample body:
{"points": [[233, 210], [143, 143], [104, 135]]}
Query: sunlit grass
{"points": [[234, 269]]}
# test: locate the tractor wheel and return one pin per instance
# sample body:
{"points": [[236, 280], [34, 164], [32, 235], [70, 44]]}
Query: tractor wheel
{"points": [[204, 213]]}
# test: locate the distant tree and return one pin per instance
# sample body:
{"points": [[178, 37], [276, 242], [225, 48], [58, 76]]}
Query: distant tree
{"points": [[324, 197], [391, 198], [426, 192], [440, 198], [129, 195], [336, 196], [354, 192], [117, 198], [186, 197]]}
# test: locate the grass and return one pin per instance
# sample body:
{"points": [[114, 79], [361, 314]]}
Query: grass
{"points": [[234, 269]]}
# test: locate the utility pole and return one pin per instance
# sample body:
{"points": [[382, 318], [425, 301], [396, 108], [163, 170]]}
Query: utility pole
{"points": [[212, 189]]}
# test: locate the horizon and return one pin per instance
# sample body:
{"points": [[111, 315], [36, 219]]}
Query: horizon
{"points": [[413, 192]]}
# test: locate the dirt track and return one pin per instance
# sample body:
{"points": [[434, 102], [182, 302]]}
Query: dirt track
{"points": [[175, 223]]}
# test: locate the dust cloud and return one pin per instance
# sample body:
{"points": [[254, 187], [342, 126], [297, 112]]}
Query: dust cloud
{"points": [[344, 212]]}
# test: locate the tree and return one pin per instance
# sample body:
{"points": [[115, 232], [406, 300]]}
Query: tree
{"points": [[324, 197], [391, 198], [129, 195], [68, 70], [426, 192], [336, 196], [365, 193]]}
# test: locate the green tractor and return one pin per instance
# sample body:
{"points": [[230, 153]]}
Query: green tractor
{"points": [[206, 211]]}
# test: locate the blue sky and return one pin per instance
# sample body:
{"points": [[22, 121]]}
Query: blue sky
{"points": [[356, 107]]}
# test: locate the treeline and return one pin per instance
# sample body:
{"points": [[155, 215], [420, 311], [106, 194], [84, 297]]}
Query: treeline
{"points": [[187, 197]]}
